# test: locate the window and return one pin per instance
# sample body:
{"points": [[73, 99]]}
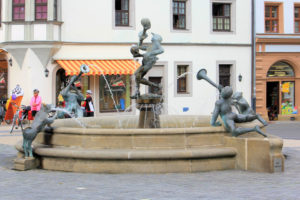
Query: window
{"points": [[18, 10], [224, 75], [221, 17], [297, 19], [41, 9], [280, 69], [287, 97], [182, 78], [0, 12], [114, 92], [122, 12], [271, 18], [179, 14], [55, 10]]}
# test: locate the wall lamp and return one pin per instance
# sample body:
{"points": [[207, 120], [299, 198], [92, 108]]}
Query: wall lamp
{"points": [[46, 72], [10, 62], [240, 78]]}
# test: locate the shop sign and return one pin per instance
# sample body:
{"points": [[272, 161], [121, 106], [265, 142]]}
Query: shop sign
{"points": [[285, 87]]}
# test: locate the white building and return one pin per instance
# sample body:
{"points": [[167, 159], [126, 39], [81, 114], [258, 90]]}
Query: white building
{"points": [[51, 35]]}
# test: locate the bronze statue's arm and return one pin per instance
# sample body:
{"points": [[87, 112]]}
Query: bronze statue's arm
{"points": [[143, 47], [215, 115], [80, 95], [67, 89], [235, 104]]}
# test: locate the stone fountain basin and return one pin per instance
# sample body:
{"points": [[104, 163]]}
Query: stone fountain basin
{"points": [[183, 144]]}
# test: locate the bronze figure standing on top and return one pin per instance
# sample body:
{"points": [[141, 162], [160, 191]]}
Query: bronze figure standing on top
{"points": [[149, 58]]}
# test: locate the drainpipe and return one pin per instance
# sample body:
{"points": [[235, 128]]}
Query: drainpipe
{"points": [[253, 57]]}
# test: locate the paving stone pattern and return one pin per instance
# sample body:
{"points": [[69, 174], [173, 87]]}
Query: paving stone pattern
{"points": [[231, 184]]}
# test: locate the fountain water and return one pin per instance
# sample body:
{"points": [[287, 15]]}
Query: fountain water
{"points": [[70, 115], [108, 85]]}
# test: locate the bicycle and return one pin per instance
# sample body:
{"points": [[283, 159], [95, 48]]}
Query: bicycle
{"points": [[18, 118]]}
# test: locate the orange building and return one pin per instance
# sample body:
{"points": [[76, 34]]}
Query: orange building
{"points": [[277, 58]]}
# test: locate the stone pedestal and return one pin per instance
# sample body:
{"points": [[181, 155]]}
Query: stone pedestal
{"points": [[150, 109], [23, 164], [257, 154]]}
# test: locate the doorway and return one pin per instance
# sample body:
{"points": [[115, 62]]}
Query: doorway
{"points": [[60, 82], [3, 75], [273, 100]]}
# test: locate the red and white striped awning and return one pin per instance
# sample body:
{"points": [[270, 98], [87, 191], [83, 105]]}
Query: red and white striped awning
{"points": [[99, 67]]}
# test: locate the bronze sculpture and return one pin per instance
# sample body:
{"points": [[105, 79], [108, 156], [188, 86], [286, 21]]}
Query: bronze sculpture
{"points": [[149, 58], [73, 97], [40, 121], [244, 108], [223, 108]]}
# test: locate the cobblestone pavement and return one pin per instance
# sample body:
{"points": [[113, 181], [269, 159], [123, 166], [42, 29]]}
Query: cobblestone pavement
{"points": [[231, 184]]}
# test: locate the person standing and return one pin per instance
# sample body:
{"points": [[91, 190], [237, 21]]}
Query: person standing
{"points": [[88, 104], [36, 102]]}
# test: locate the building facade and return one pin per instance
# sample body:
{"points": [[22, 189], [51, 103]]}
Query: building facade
{"points": [[47, 40], [277, 57]]}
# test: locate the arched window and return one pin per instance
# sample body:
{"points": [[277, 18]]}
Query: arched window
{"points": [[280, 69]]}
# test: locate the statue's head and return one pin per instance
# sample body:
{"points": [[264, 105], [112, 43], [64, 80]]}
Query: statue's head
{"points": [[226, 92], [146, 23], [237, 95], [156, 37]]}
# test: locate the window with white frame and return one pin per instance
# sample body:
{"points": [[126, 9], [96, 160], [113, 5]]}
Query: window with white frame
{"points": [[55, 11], [18, 8], [180, 15], [183, 79], [41, 10], [224, 75], [123, 14], [221, 16]]}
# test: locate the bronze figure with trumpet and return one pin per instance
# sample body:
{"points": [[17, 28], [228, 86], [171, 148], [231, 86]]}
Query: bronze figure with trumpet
{"points": [[224, 109], [72, 95]]}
